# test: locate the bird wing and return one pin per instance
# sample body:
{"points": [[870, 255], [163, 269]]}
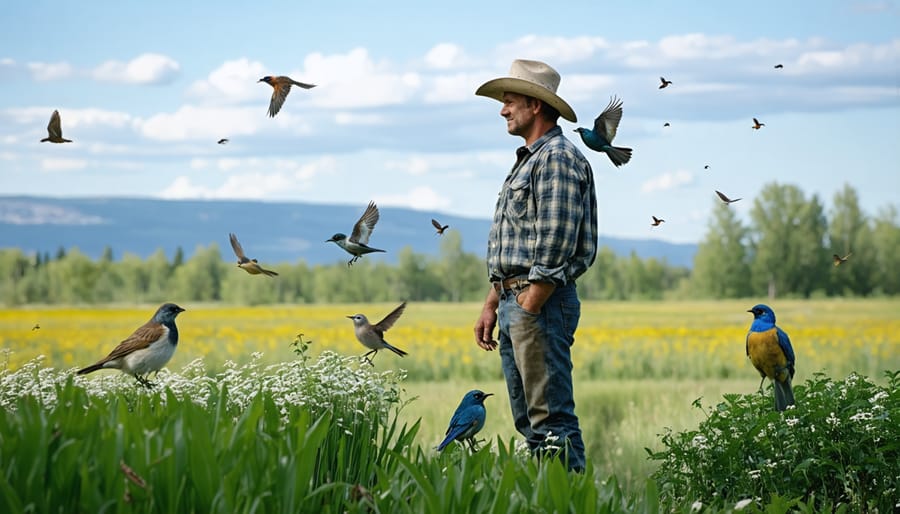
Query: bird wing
{"points": [[756, 122], [785, 343], [837, 260], [54, 128], [302, 84], [391, 318], [723, 197], [143, 337], [464, 419], [279, 93], [238, 249], [366, 224], [608, 121], [662, 80], [436, 224], [655, 219]]}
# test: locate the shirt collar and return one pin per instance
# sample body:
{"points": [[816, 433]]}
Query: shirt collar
{"points": [[533, 147]]}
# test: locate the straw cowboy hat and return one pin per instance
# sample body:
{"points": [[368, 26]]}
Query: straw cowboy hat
{"points": [[529, 78]]}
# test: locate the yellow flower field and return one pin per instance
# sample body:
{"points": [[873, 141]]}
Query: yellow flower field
{"points": [[614, 340]]}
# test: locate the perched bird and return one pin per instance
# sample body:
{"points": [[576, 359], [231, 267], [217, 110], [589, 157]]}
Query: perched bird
{"points": [[372, 336], [468, 419], [838, 260], [251, 266], [601, 137], [223, 140], [440, 228], [357, 244], [147, 350], [725, 198], [769, 349], [666, 124], [281, 86], [54, 130], [664, 83], [757, 125], [779, 66], [657, 221]]}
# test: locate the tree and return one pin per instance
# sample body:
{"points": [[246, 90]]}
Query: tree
{"points": [[462, 276], [886, 246], [849, 231], [721, 265]]}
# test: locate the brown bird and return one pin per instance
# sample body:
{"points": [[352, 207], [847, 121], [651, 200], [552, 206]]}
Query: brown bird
{"points": [[281, 86], [779, 66], [725, 198], [251, 266], [666, 124], [838, 260], [223, 140], [664, 83], [757, 125], [35, 327], [54, 130], [440, 228], [656, 221]]}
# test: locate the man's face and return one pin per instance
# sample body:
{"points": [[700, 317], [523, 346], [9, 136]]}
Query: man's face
{"points": [[519, 113]]}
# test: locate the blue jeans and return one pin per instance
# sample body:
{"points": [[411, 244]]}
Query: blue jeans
{"points": [[537, 363]]}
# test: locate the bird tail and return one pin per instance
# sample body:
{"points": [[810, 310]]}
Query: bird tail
{"points": [[618, 155], [445, 442], [784, 394], [90, 369], [394, 349], [269, 272]]}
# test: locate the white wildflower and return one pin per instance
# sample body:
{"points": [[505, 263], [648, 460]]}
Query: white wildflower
{"points": [[743, 503]]}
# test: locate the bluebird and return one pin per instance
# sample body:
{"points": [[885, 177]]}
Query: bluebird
{"points": [[779, 66], [281, 86], [372, 336], [725, 198], [656, 221], [838, 260], [440, 228], [357, 244], [601, 137], [757, 125], [251, 266], [223, 141], [664, 83], [769, 349], [147, 350], [468, 419], [54, 130]]}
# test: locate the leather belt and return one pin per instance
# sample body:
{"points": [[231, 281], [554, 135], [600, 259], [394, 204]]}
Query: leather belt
{"points": [[515, 284]]}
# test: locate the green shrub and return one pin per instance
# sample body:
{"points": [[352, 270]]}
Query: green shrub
{"points": [[839, 446]]}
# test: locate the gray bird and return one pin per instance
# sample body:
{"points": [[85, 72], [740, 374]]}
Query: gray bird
{"points": [[54, 130], [725, 198], [357, 244], [372, 336]]}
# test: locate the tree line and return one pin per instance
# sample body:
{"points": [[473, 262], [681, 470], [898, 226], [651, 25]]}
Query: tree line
{"points": [[786, 250]]}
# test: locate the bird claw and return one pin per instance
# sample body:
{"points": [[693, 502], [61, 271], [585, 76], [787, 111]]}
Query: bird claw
{"points": [[144, 382]]}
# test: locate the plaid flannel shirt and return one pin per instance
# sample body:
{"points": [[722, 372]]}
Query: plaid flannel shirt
{"points": [[545, 222]]}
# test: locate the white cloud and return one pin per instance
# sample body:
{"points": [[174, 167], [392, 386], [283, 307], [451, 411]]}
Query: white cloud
{"points": [[206, 123], [233, 81], [355, 80], [668, 181], [459, 87], [144, 69], [70, 117], [44, 71], [420, 198], [413, 165], [62, 164], [350, 118], [556, 50], [445, 56]]}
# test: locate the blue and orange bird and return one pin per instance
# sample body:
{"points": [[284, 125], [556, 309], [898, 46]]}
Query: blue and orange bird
{"points": [[281, 86], [468, 419], [601, 137], [769, 349]]}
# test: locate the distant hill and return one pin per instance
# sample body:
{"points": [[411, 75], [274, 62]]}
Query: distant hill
{"points": [[270, 231]]}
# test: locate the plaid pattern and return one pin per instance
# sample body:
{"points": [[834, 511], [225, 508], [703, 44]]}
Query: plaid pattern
{"points": [[545, 222]]}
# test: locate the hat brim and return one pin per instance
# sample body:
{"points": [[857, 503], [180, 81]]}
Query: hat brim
{"points": [[495, 89]]}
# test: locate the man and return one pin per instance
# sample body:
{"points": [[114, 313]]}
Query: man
{"points": [[543, 237]]}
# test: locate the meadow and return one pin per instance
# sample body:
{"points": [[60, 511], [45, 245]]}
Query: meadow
{"points": [[638, 365]]}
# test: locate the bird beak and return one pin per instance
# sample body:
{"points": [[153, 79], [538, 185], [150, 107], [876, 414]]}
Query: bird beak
{"points": [[329, 240], [349, 317], [258, 81], [180, 309], [750, 311], [488, 394]]}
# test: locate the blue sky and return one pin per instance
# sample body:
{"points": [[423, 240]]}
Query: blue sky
{"points": [[146, 92]]}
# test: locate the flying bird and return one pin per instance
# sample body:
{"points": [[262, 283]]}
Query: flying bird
{"points": [[251, 266], [372, 336], [54, 130], [357, 244], [664, 83], [706, 167], [147, 350], [36, 326], [666, 124], [769, 349], [223, 140], [601, 137], [838, 260], [467, 420], [779, 66], [440, 228], [656, 221], [281, 86], [757, 125], [725, 198]]}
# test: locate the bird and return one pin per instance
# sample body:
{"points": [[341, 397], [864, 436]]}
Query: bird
{"points": [[251, 266], [223, 141], [779, 66], [838, 260], [36, 326], [372, 336], [666, 124], [357, 244], [725, 198], [664, 83], [657, 221], [281, 86], [769, 349], [467, 420], [440, 228], [757, 125], [706, 167], [147, 350], [601, 137], [54, 130]]}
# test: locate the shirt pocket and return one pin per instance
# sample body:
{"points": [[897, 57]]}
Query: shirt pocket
{"points": [[518, 195]]}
